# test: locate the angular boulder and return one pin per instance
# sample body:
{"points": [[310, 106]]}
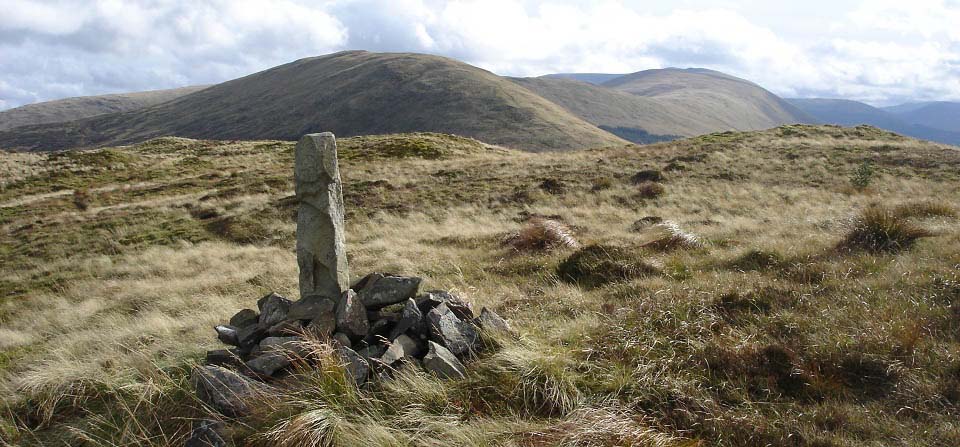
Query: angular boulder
{"points": [[323, 325], [402, 347], [434, 298], [273, 309], [310, 307], [269, 363], [378, 290], [225, 390], [250, 336], [443, 363], [409, 318], [460, 337], [321, 247], [352, 316], [354, 364], [227, 334], [244, 318]]}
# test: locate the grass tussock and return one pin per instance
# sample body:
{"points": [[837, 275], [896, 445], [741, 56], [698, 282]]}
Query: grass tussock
{"points": [[650, 190], [595, 265], [542, 234], [669, 236], [924, 210], [879, 228]]}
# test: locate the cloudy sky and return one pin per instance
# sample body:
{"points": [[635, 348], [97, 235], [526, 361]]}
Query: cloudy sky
{"points": [[879, 51]]}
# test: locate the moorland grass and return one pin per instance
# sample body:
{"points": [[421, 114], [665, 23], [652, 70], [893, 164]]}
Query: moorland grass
{"points": [[768, 335]]}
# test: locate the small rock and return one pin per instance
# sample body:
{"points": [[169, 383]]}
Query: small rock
{"points": [[223, 357], [490, 321], [228, 335], [244, 318], [352, 316], [286, 328], [311, 307], [458, 336], [250, 336], [377, 290], [323, 325], [224, 390], [269, 363], [342, 339], [273, 309], [402, 347], [278, 342], [443, 363], [409, 318], [355, 365], [206, 433], [372, 352], [434, 298]]}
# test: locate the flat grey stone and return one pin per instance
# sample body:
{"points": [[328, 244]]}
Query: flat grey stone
{"points": [[443, 363], [378, 290], [352, 316], [321, 246], [225, 390], [310, 307], [269, 362], [244, 318], [286, 328]]}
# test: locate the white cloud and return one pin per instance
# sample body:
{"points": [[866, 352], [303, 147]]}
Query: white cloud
{"points": [[881, 51]]}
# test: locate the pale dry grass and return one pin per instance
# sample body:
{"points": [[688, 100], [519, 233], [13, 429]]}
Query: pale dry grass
{"points": [[642, 341]]}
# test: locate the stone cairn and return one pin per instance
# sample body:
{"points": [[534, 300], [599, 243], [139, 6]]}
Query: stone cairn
{"points": [[374, 325]]}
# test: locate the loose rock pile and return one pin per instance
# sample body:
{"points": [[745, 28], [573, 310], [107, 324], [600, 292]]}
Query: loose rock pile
{"points": [[373, 326], [380, 322]]}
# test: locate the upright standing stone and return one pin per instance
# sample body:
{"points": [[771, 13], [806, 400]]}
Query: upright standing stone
{"points": [[321, 251]]}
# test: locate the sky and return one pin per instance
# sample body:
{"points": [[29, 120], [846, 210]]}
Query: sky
{"points": [[879, 51]]}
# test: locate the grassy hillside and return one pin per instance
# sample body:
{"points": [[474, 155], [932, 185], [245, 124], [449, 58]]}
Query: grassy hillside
{"points": [[613, 109], [789, 321], [592, 78], [70, 109], [943, 115], [852, 113], [719, 101], [348, 93]]}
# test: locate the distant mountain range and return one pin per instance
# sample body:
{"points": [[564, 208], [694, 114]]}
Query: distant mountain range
{"points": [[75, 108], [934, 121], [360, 93]]}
